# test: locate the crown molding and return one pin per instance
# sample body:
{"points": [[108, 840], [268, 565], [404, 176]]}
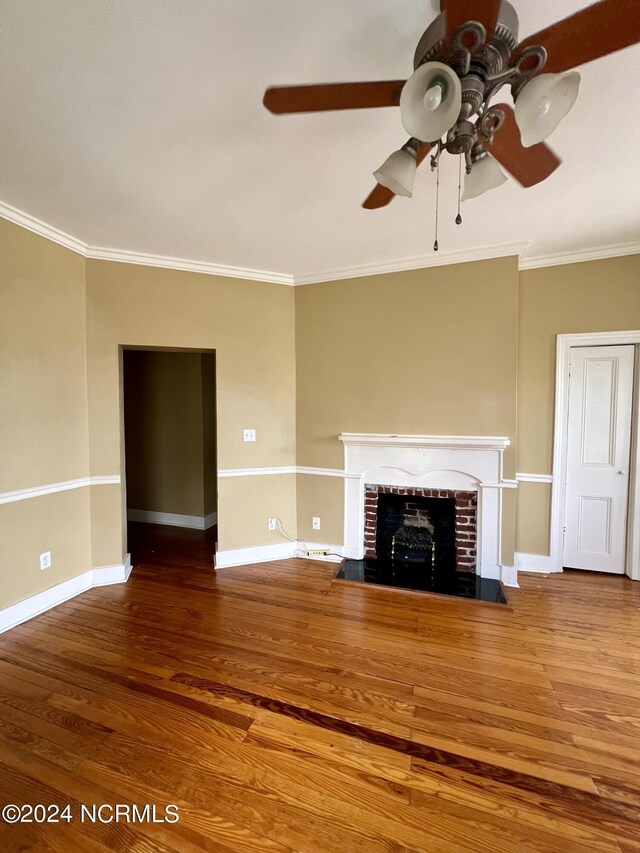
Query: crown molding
{"points": [[417, 262], [37, 226], [169, 263], [614, 251]]}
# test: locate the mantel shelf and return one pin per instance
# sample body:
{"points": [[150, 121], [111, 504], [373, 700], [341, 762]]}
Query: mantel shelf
{"points": [[469, 442]]}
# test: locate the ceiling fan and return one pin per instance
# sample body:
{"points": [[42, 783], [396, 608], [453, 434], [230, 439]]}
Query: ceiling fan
{"points": [[462, 60]]}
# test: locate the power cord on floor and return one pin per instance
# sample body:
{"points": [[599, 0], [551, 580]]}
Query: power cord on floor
{"points": [[299, 552]]}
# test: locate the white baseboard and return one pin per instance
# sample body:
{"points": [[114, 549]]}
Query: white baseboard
{"points": [[106, 575], [15, 614], [534, 563], [259, 554], [280, 551], [195, 522]]}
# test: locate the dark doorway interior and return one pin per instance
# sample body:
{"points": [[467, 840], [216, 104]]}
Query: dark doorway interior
{"points": [[167, 546], [170, 453]]}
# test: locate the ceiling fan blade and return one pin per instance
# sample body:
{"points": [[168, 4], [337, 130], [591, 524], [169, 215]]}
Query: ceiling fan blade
{"points": [[333, 96], [529, 166], [378, 197], [381, 196], [596, 31], [460, 12]]}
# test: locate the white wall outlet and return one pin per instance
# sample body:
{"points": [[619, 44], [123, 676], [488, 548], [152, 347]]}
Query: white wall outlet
{"points": [[272, 524], [315, 522], [45, 560], [248, 435]]}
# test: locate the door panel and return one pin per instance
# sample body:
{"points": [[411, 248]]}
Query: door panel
{"points": [[598, 453], [594, 525], [598, 411]]}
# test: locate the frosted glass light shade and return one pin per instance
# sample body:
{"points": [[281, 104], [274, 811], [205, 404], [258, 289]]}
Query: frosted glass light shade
{"points": [[398, 172], [543, 103], [430, 121], [485, 175]]}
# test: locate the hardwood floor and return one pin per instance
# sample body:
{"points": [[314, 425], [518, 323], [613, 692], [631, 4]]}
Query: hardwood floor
{"points": [[282, 711]]}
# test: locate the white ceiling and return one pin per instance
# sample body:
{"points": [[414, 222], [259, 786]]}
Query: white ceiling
{"points": [[138, 125]]}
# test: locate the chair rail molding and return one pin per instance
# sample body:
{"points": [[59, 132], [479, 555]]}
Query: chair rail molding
{"points": [[534, 478], [63, 486]]}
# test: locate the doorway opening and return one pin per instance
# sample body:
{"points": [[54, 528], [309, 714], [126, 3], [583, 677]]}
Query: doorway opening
{"points": [[170, 467], [595, 519]]}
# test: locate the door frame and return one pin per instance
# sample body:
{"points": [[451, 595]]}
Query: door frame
{"points": [[564, 344], [123, 451]]}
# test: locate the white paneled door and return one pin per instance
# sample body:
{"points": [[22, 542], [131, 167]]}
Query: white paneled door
{"points": [[598, 456]]}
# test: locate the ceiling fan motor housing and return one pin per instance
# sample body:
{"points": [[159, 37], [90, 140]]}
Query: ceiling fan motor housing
{"points": [[463, 138], [473, 62], [433, 44]]}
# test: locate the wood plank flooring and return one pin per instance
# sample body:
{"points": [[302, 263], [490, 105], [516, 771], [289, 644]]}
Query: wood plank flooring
{"points": [[282, 711]]}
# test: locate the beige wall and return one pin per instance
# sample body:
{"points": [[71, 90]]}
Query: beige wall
{"points": [[250, 325], [406, 353], [43, 412], [245, 505], [164, 432], [598, 296], [322, 497], [533, 518], [428, 351], [446, 350]]}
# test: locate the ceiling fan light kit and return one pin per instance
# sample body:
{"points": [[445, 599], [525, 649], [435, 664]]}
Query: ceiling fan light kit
{"points": [[543, 103], [398, 172], [465, 56], [486, 175], [438, 86]]}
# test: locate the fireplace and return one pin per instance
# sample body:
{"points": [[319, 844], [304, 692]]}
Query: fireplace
{"points": [[434, 470], [433, 527]]}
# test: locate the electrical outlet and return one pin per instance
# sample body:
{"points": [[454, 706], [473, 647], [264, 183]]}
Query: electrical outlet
{"points": [[322, 552], [315, 522], [272, 524], [45, 560], [248, 435]]}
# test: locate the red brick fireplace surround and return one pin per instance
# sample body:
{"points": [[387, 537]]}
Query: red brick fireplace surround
{"points": [[466, 508]]}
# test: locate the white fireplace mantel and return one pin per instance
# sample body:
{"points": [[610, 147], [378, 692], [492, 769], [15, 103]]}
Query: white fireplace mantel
{"points": [[471, 442], [457, 462]]}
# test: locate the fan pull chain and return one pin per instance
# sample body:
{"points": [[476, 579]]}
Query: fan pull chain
{"points": [[459, 217], [435, 244]]}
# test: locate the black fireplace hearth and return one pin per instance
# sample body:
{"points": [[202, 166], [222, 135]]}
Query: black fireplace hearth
{"points": [[418, 577]]}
